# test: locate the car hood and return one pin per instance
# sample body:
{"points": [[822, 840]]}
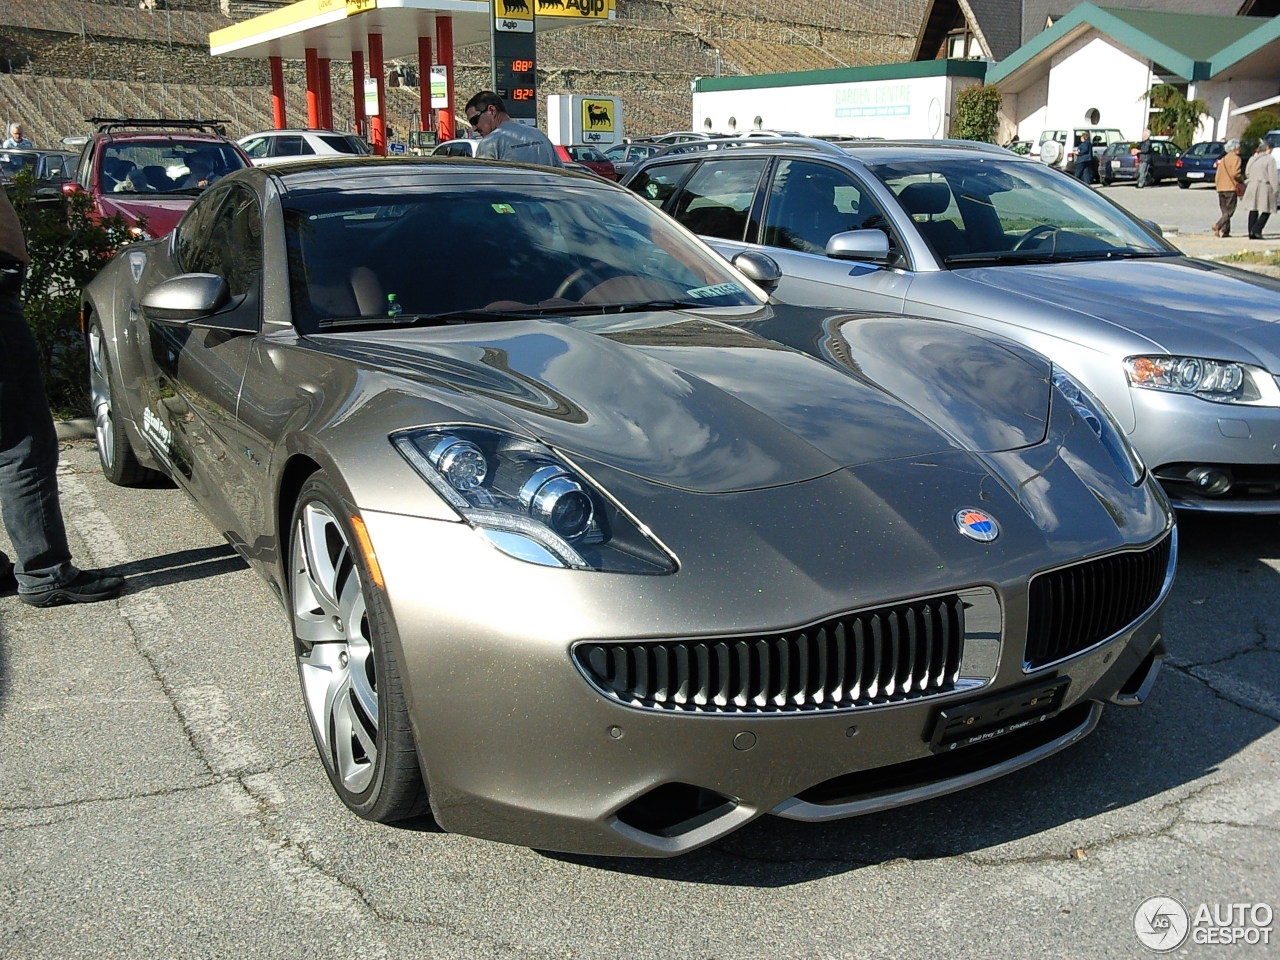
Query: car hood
{"points": [[700, 404], [162, 213], [1181, 305]]}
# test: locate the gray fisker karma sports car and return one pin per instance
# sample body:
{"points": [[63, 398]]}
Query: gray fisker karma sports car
{"points": [[588, 546]]}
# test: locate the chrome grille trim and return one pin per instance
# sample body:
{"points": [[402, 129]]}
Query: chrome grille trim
{"points": [[1078, 607], [903, 652]]}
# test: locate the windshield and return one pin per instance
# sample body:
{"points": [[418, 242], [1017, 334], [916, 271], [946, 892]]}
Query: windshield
{"points": [[417, 252], [165, 166], [978, 209]]}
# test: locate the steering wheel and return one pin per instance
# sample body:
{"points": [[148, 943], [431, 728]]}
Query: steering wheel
{"points": [[1034, 233], [586, 278]]}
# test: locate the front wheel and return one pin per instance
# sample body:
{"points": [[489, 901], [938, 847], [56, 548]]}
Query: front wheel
{"points": [[347, 666], [119, 463]]}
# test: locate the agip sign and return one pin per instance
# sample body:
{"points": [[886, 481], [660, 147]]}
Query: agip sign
{"points": [[576, 119]]}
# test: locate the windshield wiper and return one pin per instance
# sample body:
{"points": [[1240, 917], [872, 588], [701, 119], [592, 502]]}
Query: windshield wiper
{"points": [[421, 319], [1038, 256]]}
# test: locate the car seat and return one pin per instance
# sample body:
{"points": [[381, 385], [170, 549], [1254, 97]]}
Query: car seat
{"points": [[808, 216], [924, 201]]}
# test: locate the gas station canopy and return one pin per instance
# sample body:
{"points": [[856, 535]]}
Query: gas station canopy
{"points": [[334, 28]]}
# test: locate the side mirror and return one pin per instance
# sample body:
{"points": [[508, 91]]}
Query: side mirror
{"points": [[761, 269], [869, 245], [189, 296], [1153, 227]]}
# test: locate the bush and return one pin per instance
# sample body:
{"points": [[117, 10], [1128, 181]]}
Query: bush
{"points": [[67, 247], [1261, 124], [977, 113]]}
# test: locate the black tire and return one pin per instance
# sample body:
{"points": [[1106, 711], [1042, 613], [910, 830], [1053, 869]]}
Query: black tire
{"points": [[347, 663], [1184, 184], [119, 463]]}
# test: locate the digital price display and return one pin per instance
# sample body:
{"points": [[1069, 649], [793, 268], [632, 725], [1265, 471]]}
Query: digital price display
{"points": [[515, 73]]}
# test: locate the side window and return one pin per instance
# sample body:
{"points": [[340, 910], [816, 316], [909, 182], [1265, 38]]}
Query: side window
{"points": [[809, 202], [659, 182], [224, 237], [288, 146], [257, 147], [716, 201]]}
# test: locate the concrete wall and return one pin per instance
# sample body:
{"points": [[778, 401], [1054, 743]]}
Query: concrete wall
{"points": [[1223, 96], [912, 108]]}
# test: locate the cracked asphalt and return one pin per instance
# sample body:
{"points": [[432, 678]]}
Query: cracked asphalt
{"points": [[162, 799]]}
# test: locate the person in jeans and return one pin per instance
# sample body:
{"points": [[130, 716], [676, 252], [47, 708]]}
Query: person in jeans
{"points": [[1144, 158], [1229, 182], [504, 138], [1084, 159], [43, 575]]}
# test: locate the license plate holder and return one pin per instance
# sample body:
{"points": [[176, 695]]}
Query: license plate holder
{"points": [[975, 721], [1195, 175]]}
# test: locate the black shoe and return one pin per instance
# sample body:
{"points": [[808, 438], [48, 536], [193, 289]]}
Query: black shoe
{"points": [[8, 582], [87, 586]]}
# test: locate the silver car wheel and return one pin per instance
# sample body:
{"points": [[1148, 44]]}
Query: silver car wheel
{"points": [[100, 397], [335, 653]]}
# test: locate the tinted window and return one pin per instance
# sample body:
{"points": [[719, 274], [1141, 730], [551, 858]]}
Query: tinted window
{"points": [[716, 201], [224, 236], [658, 183]]}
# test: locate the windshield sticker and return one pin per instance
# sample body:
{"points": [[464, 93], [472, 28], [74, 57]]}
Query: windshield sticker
{"points": [[718, 290], [502, 208], [137, 261]]}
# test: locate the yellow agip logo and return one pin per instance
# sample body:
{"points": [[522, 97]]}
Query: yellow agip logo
{"points": [[597, 116], [587, 9], [360, 6]]}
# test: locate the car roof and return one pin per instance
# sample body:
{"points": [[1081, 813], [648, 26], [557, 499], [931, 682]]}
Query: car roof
{"points": [[294, 131], [326, 171], [870, 150]]}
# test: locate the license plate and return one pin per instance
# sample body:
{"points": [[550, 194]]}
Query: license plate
{"points": [[978, 720], [1115, 164], [1195, 175]]}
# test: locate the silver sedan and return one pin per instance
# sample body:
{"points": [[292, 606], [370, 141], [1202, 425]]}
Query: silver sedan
{"points": [[1184, 352]]}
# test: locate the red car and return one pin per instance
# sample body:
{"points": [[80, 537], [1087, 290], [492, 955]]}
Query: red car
{"points": [[149, 171], [591, 158]]}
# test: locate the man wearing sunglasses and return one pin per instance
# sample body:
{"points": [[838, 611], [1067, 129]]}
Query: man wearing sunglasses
{"points": [[504, 138]]}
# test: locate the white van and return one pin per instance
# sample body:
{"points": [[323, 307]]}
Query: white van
{"points": [[1056, 150]]}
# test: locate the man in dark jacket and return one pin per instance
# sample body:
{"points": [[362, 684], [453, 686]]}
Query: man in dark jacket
{"points": [[1144, 158], [1084, 159], [43, 575]]}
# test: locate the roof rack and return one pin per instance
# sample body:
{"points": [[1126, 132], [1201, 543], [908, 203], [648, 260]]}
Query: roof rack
{"points": [[111, 124], [725, 143]]}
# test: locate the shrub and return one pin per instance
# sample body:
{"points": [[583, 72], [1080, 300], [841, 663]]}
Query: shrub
{"points": [[67, 247], [977, 113]]}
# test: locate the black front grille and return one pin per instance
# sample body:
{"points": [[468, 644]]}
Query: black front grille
{"points": [[896, 653], [1076, 607]]}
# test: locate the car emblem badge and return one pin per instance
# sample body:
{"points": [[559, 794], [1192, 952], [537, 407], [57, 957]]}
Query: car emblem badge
{"points": [[977, 525], [137, 261]]}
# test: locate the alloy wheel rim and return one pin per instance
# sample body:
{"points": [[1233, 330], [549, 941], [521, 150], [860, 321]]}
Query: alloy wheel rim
{"points": [[100, 397], [335, 653]]}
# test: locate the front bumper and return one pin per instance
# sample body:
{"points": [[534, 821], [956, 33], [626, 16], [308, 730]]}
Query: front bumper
{"points": [[1176, 434], [517, 746]]}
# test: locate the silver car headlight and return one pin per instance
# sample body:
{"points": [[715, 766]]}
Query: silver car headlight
{"points": [[1219, 381], [1099, 419], [528, 503]]}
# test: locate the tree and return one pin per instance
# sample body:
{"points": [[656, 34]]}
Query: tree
{"points": [[977, 113], [67, 246], [1176, 116]]}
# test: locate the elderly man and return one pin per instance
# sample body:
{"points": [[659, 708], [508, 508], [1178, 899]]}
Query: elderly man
{"points": [[1229, 182], [17, 139], [1260, 189]]}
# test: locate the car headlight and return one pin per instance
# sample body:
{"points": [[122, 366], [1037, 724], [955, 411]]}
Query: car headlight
{"points": [[1220, 381], [528, 503], [1099, 419]]}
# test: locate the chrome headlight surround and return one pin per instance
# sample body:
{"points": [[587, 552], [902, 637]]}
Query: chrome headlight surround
{"points": [[1104, 427], [1218, 381], [526, 501]]}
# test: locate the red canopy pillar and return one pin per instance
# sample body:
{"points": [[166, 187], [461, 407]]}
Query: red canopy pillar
{"points": [[378, 122], [277, 93], [357, 89], [424, 83], [313, 87], [444, 49], [326, 94]]}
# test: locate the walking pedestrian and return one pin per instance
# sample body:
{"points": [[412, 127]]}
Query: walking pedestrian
{"points": [[43, 574], [1144, 158], [1084, 158], [1260, 186], [1229, 182]]}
